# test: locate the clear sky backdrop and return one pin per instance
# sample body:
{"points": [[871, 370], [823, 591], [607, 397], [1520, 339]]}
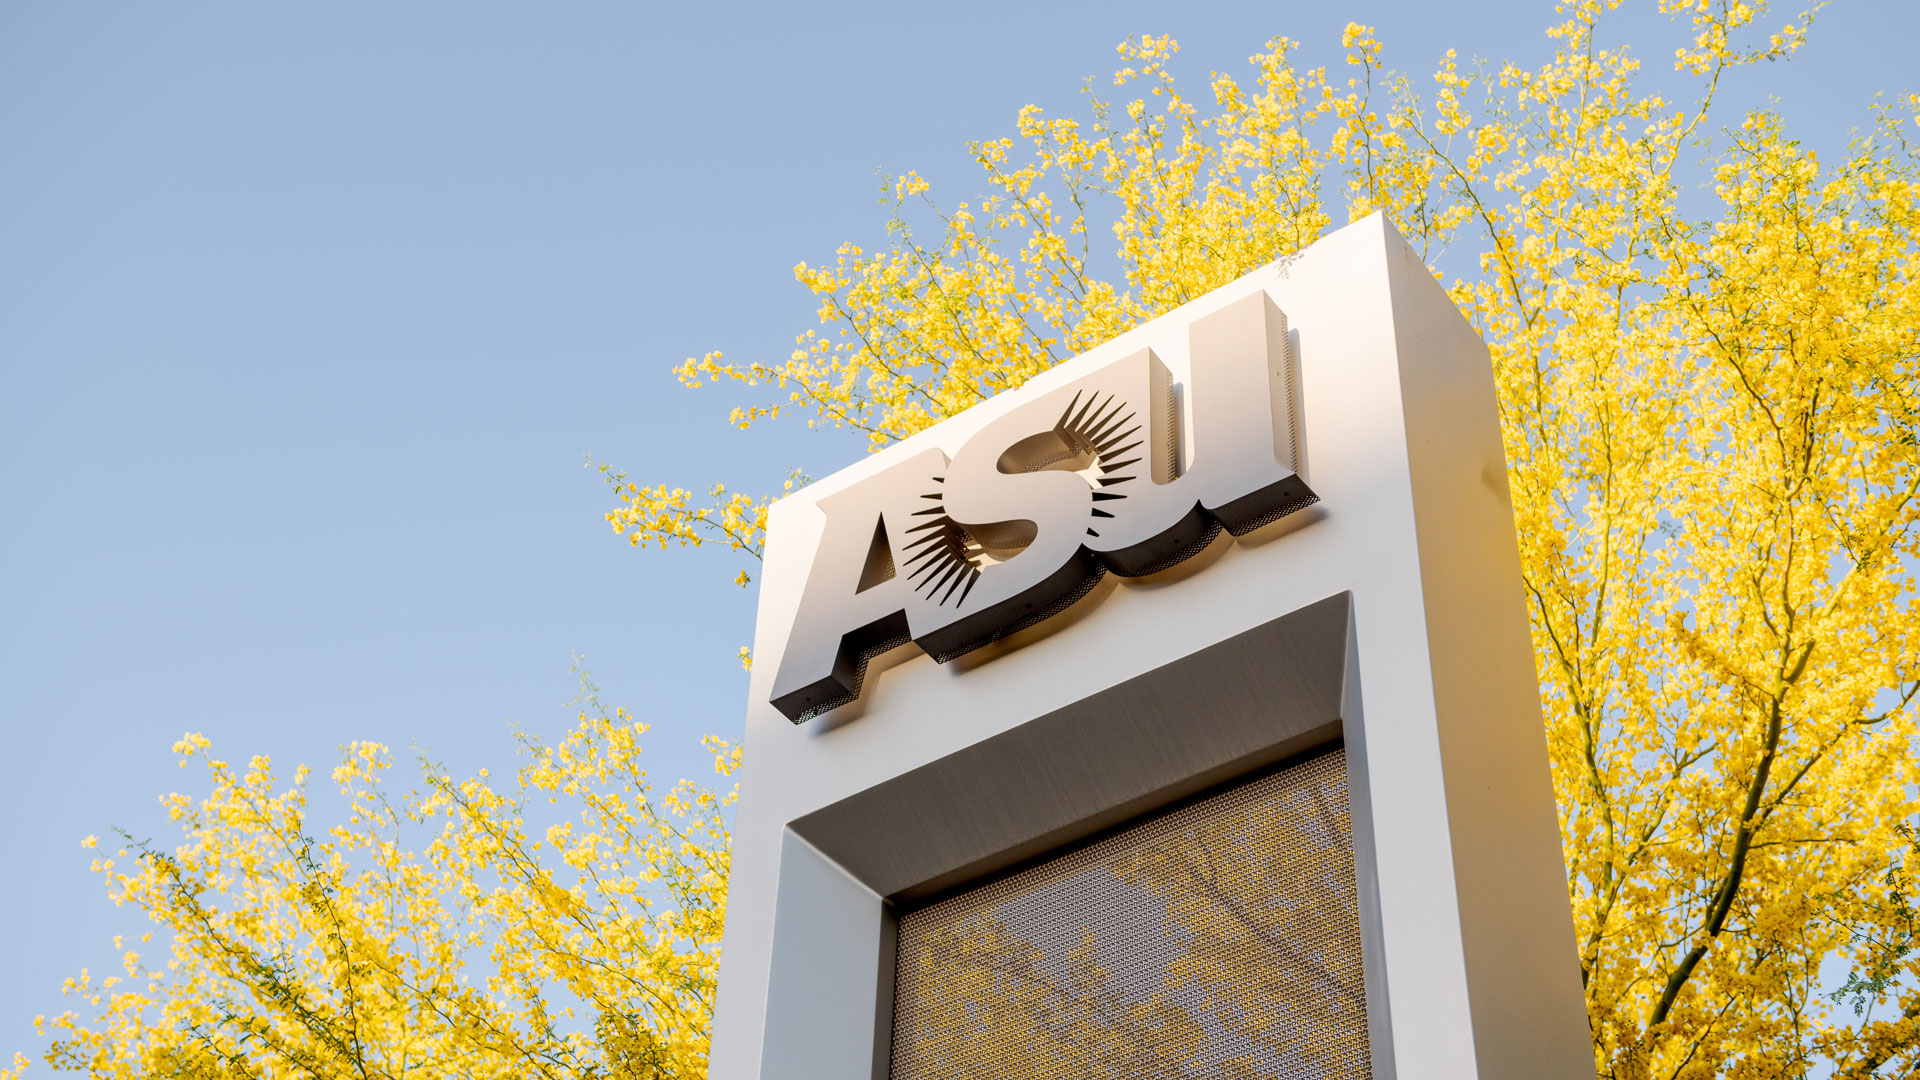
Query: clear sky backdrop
{"points": [[310, 313]]}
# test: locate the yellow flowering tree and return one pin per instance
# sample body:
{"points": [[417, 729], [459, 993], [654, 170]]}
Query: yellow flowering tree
{"points": [[1708, 383], [431, 932], [1708, 380]]}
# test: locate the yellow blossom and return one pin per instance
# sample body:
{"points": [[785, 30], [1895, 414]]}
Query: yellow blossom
{"points": [[1709, 402]]}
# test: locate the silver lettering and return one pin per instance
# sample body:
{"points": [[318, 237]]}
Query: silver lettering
{"points": [[1046, 498]]}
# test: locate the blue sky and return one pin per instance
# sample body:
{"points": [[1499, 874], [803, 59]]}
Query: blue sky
{"points": [[309, 315]]}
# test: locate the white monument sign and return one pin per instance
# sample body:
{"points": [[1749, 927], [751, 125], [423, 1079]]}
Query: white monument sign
{"points": [[1173, 715]]}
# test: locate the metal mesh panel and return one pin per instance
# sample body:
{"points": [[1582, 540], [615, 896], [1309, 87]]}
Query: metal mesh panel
{"points": [[1219, 940]]}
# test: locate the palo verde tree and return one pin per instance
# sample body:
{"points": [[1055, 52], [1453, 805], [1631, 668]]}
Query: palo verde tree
{"points": [[431, 932], [1707, 378]]}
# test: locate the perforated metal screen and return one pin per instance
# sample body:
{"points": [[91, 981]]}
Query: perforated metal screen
{"points": [[1219, 940]]}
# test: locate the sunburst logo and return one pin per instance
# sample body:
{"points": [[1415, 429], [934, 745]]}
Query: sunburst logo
{"points": [[1099, 439]]}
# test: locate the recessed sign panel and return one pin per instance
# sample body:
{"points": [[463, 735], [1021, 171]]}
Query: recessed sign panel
{"points": [[1220, 940]]}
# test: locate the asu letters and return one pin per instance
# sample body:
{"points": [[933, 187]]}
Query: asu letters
{"points": [[1036, 506]]}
